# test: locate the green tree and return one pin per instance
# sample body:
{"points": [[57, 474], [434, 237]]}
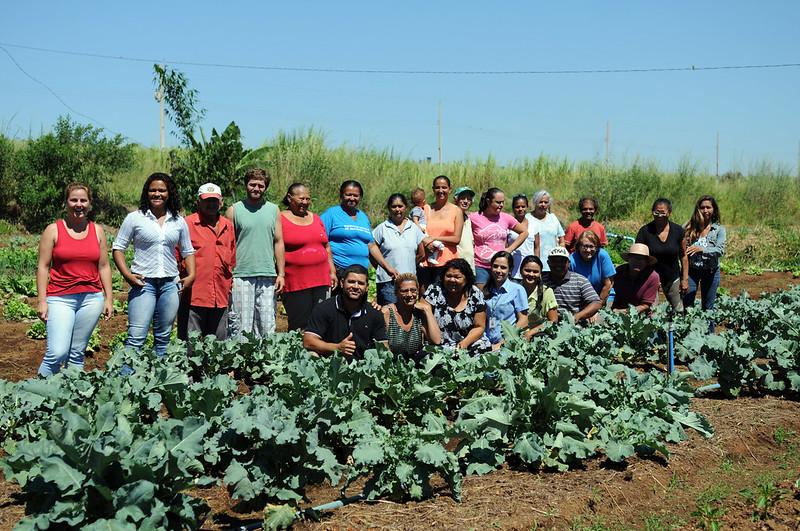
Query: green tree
{"points": [[7, 177], [181, 102], [221, 159], [72, 152]]}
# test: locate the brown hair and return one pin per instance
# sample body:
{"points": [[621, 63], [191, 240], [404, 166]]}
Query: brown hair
{"points": [[695, 225], [259, 174], [590, 235], [77, 186]]}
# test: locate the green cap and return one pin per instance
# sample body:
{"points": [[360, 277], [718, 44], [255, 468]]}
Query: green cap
{"points": [[464, 189]]}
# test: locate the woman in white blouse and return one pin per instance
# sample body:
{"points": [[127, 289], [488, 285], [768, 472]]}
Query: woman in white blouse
{"points": [[551, 233], [155, 230]]}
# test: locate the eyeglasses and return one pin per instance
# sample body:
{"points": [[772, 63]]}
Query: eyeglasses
{"points": [[660, 214]]}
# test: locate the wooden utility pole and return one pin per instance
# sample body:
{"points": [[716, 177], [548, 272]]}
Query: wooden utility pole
{"points": [[608, 137], [159, 95], [439, 131], [717, 154]]}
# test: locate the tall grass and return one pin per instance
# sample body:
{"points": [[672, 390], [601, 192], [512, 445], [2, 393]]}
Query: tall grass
{"points": [[762, 201], [126, 187], [765, 195]]}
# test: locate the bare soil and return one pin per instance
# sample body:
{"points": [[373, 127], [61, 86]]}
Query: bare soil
{"points": [[756, 443]]}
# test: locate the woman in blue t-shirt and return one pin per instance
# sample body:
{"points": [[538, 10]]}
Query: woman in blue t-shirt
{"points": [[350, 233], [594, 263]]}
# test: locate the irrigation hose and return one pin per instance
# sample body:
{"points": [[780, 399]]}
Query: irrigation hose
{"points": [[312, 511], [706, 388]]}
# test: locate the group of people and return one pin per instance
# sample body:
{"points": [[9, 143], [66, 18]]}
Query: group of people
{"points": [[445, 275]]}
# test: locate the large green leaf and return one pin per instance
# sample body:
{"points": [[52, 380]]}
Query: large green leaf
{"points": [[236, 477], [617, 451], [530, 448], [69, 480], [431, 454], [279, 517], [110, 525]]}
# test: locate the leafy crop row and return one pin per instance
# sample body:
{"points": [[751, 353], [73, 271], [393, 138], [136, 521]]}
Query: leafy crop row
{"points": [[99, 449], [93, 447], [756, 347]]}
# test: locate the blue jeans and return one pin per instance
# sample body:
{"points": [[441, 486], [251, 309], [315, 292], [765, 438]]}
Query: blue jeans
{"points": [[156, 301], [386, 293], [482, 275], [708, 281], [70, 322]]}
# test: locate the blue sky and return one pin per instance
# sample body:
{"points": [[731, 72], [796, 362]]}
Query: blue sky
{"points": [[664, 116]]}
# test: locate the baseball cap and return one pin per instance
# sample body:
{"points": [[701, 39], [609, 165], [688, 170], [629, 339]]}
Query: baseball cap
{"points": [[558, 252], [464, 189], [209, 190]]}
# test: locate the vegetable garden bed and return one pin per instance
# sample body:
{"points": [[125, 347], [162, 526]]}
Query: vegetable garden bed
{"points": [[113, 447]]}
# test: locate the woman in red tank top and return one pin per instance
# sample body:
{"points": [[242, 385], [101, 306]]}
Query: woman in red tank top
{"points": [[310, 272], [73, 281]]}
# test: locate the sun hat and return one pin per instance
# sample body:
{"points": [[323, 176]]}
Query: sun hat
{"points": [[639, 249], [464, 189], [558, 252], [209, 190]]}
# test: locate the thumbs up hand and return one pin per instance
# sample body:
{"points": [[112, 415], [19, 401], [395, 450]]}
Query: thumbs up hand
{"points": [[347, 346]]}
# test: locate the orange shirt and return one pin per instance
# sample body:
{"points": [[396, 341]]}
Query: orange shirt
{"points": [[575, 230], [215, 258], [442, 227]]}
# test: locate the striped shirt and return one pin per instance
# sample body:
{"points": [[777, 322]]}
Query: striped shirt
{"points": [[153, 244], [573, 293]]}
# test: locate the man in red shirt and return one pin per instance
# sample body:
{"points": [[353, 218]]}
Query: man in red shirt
{"points": [[204, 307]]}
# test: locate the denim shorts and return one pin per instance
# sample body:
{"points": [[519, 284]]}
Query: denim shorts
{"points": [[482, 275], [385, 292]]}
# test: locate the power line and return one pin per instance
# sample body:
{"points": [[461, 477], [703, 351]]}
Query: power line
{"points": [[51, 91], [328, 70]]}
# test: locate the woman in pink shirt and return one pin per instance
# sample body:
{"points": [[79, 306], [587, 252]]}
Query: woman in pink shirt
{"points": [[490, 226]]}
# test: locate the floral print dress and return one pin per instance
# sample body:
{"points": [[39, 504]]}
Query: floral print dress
{"points": [[456, 325]]}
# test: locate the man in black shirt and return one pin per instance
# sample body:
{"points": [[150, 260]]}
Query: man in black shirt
{"points": [[345, 322]]}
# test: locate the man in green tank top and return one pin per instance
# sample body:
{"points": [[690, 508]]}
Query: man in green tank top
{"points": [[258, 275]]}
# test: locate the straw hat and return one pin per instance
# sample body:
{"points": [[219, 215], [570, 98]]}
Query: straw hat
{"points": [[639, 249]]}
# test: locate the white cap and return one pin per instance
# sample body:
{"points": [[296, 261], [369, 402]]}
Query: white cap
{"points": [[209, 190], [558, 252]]}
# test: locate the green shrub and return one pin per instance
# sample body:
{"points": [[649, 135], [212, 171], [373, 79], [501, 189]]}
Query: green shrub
{"points": [[7, 180], [37, 330], [214, 161], [16, 309], [70, 153]]}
